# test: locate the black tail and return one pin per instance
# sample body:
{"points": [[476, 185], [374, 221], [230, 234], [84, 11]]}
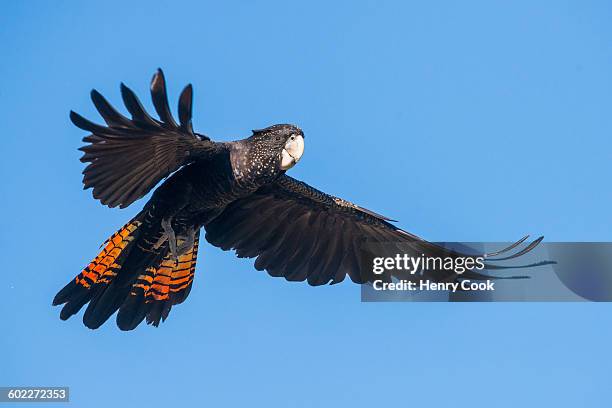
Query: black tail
{"points": [[130, 275]]}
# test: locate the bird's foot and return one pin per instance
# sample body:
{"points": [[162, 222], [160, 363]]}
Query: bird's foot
{"points": [[169, 236], [187, 243]]}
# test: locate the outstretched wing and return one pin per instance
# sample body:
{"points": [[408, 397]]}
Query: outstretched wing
{"points": [[128, 157], [301, 233]]}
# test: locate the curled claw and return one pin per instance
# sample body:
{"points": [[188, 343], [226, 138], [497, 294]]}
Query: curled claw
{"points": [[170, 236]]}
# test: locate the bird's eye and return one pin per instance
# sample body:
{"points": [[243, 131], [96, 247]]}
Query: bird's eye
{"points": [[292, 137]]}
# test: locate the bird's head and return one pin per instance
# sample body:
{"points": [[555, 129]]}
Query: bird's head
{"points": [[285, 143], [268, 153]]}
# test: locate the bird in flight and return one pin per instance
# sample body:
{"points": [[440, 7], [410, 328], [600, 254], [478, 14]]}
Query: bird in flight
{"points": [[237, 191]]}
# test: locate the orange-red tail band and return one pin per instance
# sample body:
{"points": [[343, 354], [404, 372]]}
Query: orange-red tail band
{"points": [[104, 267]]}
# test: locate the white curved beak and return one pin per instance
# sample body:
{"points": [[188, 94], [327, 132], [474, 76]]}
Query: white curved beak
{"points": [[292, 152]]}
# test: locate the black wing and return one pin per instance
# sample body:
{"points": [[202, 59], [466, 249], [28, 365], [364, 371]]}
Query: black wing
{"points": [[128, 157], [301, 233]]}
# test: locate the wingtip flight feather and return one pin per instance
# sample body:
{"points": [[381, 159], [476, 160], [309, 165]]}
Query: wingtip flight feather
{"points": [[82, 123], [159, 96], [185, 108]]}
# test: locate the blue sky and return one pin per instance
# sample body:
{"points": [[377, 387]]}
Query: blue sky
{"points": [[472, 120]]}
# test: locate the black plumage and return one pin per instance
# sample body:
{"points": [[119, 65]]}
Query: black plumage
{"points": [[237, 191]]}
